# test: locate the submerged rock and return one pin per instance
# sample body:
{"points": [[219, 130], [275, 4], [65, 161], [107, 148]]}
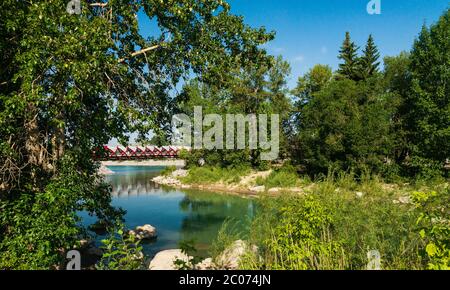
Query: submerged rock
{"points": [[146, 232]]}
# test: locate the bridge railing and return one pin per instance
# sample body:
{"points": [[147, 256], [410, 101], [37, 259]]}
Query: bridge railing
{"points": [[137, 152]]}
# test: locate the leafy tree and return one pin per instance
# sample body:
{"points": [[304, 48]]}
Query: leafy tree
{"points": [[349, 55], [345, 125], [396, 78], [70, 83], [427, 105], [369, 61], [312, 82], [254, 89]]}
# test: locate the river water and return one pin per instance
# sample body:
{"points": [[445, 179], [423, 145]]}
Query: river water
{"points": [[178, 215]]}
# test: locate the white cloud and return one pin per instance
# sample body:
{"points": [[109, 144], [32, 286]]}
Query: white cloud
{"points": [[299, 58], [278, 49]]}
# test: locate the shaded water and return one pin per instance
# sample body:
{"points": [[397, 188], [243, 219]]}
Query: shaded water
{"points": [[178, 215]]}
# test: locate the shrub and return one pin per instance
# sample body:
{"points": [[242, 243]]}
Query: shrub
{"points": [[121, 252], [435, 227], [295, 233]]}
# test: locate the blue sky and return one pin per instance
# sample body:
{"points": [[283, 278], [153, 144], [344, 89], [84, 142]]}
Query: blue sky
{"points": [[311, 31]]}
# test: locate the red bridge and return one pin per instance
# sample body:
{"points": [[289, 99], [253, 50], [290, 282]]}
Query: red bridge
{"points": [[138, 152]]}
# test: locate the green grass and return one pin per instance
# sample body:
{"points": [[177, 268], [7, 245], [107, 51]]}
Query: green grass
{"points": [[168, 170], [284, 177], [206, 175]]}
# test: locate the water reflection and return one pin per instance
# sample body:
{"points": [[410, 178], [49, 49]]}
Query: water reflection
{"points": [[177, 215]]}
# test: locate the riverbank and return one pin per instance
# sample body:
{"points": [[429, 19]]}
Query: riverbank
{"points": [[249, 184]]}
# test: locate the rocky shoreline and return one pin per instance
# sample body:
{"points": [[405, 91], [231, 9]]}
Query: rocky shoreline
{"points": [[246, 187]]}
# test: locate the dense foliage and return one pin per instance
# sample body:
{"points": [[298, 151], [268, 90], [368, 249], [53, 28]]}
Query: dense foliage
{"points": [[71, 82], [393, 122]]}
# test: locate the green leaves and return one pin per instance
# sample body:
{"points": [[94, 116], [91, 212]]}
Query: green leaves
{"points": [[64, 92], [434, 226], [426, 106]]}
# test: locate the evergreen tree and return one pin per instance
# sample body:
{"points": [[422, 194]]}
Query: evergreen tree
{"points": [[369, 61], [349, 54]]}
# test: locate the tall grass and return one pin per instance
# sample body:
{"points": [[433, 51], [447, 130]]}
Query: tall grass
{"points": [[205, 175], [334, 228]]}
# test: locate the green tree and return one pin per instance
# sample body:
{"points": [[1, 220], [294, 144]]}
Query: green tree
{"points": [[348, 53], [397, 81], [427, 104], [254, 89], [312, 82], [346, 126], [369, 61], [70, 83]]}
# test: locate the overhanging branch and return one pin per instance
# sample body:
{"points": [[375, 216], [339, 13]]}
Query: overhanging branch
{"points": [[136, 53]]}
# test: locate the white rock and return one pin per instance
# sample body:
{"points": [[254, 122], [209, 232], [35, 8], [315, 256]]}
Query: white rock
{"points": [[164, 260], [206, 264], [146, 232], [359, 194], [258, 188], [166, 180], [274, 190], [180, 173]]}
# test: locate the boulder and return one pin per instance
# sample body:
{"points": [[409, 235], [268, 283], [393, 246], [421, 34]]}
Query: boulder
{"points": [[165, 260], [146, 232], [232, 255]]}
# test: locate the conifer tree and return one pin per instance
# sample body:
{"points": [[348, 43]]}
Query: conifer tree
{"points": [[369, 61], [349, 54]]}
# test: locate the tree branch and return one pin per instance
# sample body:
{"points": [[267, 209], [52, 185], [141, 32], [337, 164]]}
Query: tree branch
{"points": [[136, 53], [98, 4]]}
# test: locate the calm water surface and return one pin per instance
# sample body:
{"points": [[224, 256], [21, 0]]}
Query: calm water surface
{"points": [[177, 214]]}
